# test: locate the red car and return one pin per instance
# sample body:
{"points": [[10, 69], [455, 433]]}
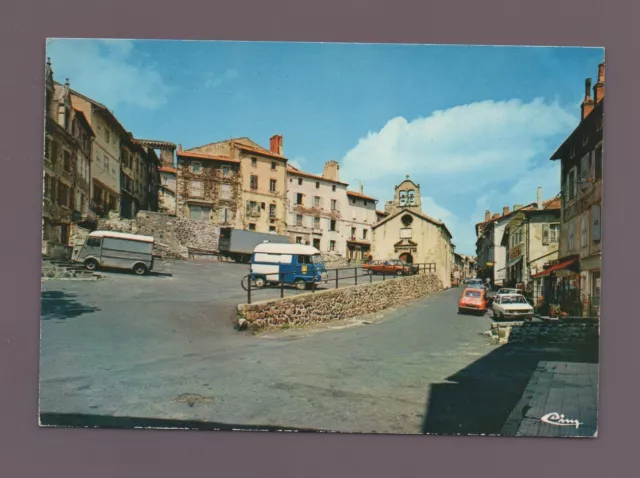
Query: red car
{"points": [[473, 300], [391, 267]]}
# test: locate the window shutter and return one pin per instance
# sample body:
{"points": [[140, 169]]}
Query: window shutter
{"points": [[545, 234]]}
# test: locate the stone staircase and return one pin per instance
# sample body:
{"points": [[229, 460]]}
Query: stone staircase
{"points": [[65, 269]]}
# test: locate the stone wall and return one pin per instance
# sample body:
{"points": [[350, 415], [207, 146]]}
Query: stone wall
{"points": [[336, 304], [174, 235], [574, 331]]}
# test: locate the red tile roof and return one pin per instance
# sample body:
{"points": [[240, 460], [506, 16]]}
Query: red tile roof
{"points": [[261, 151], [294, 170], [214, 157], [360, 195]]}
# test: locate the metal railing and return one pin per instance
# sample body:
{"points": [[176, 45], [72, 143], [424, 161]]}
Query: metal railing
{"points": [[276, 281]]}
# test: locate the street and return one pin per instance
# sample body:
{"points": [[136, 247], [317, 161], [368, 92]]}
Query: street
{"points": [[164, 348]]}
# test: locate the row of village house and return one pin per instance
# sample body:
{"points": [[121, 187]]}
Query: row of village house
{"points": [[553, 248], [94, 166]]}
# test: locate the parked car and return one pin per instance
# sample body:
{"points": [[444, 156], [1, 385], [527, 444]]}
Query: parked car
{"points": [[116, 250], [511, 306], [505, 291], [391, 267], [473, 300], [476, 284], [292, 264]]}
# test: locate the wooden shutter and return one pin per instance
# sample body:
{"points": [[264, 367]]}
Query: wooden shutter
{"points": [[545, 235]]}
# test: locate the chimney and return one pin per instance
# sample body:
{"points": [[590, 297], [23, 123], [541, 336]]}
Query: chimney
{"points": [[587, 104], [361, 188], [331, 171], [517, 206], [275, 144], [487, 215], [180, 148], [505, 210], [539, 199], [598, 89], [496, 216]]}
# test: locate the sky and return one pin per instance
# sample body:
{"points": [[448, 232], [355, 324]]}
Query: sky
{"points": [[474, 126]]}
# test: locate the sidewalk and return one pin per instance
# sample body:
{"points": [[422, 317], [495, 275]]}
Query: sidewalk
{"points": [[567, 389]]}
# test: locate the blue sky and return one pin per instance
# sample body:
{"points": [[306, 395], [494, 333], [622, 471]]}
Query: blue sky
{"points": [[474, 126]]}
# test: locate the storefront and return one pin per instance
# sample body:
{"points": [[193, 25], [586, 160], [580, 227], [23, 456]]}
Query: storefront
{"points": [[358, 251], [557, 289]]}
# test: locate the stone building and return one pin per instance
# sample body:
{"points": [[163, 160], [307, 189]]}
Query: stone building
{"points": [[208, 187], [163, 179], [66, 167], [530, 242], [359, 218], [105, 164], [260, 203], [314, 205], [575, 280], [139, 178], [409, 234]]}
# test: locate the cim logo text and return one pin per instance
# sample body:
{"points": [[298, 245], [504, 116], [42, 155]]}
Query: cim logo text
{"points": [[559, 420]]}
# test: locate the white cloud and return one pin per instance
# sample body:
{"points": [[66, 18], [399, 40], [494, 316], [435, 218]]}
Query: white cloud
{"points": [[469, 158], [213, 80], [105, 70], [298, 162]]}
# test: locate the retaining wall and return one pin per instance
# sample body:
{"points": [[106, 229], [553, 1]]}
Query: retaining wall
{"points": [[575, 331], [336, 304]]}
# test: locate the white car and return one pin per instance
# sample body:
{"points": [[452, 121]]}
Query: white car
{"points": [[511, 306], [508, 292]]}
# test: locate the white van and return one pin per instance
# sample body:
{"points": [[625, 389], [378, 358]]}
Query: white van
{"points": [[117, 250]]}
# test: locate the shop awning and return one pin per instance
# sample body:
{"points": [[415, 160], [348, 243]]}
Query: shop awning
{"points": [[514, 262], [556, 267]]}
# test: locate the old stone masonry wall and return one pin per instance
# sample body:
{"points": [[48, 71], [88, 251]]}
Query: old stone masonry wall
{"points": [[174, 235], [336, 304], [574, 331]]}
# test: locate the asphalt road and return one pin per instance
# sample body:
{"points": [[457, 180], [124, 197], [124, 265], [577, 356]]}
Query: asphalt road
{"points": [[160, 348]]}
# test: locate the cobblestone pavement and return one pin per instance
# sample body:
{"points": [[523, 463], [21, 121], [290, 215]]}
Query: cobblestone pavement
{"points": [[163, 348]]}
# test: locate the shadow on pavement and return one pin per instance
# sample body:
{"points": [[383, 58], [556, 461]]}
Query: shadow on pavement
{"points": [[102, 421], [61, 305], [480, 397]]}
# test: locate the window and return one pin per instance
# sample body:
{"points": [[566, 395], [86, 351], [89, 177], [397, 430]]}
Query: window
{"points": [[550, 234], [225, 171], [334, 205], [196, 188], [333, 188], [583, 231], [403, 198], [353, 201], [272, 228], [298, 240], [47, 186], [332, 245], [353, 232], [317, 184], [299, 220], [93, 242], [316, 222], [63, 194], [273, 165], [225, 191], [332, 225], [299, 181], [316, 201], [165, 180], [571, 236], [107, 135], [195, 167], [272, 185], [299, 199], [571, 189], [252, 226], [272, 210], [364, 234], [223, 215], [316, 243], [254, 181], [595, 222], [411, 198], [585, 167], [66, 161], [254, 162], [598, 163]]}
